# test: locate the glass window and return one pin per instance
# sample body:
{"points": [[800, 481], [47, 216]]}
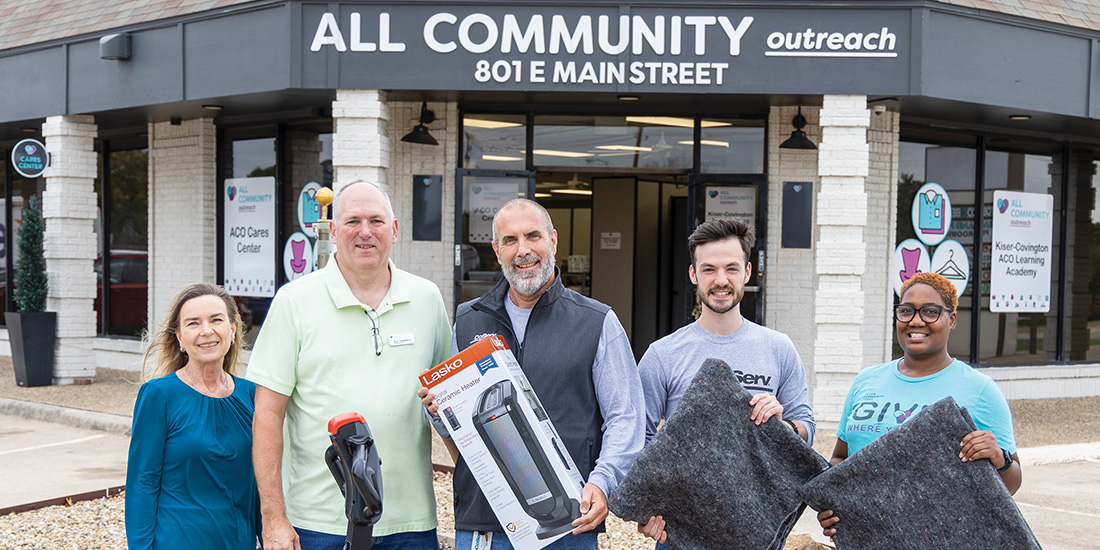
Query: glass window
{"points": [[494, 141], [586, 141], [1081, 338], [1022, 337], [127, 264], [250, 153], [731, 146], [7, 239], [22, 190], [953, 168]]}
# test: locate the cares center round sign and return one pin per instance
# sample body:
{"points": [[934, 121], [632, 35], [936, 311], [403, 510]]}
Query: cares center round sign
{"points": [[30, 158]]}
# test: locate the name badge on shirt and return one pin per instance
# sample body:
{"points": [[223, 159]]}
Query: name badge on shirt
{"points": [[482, 541], [401, 339]]}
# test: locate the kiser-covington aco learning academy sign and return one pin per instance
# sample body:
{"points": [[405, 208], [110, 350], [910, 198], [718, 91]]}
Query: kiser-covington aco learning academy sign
{"points": [[568, 48]]}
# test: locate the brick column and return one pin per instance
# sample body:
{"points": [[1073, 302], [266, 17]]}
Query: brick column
{"points": [[360, 144], [841, 260], [69, 210], [183, 210]]}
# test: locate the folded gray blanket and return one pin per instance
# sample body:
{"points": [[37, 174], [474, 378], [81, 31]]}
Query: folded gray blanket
{"points": [[909, 489], [719, 480]]}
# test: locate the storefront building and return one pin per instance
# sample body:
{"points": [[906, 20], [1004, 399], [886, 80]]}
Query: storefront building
{"points": [[186, 144]]}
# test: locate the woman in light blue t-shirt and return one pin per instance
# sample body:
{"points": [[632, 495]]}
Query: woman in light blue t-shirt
{"points": [[884, 396]]}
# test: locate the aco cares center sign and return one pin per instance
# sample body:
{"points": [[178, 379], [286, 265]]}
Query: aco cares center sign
{"points": [[604, 49]]}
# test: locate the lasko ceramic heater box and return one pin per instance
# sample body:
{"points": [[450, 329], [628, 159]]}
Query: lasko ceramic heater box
{"points": [[511, 442]]}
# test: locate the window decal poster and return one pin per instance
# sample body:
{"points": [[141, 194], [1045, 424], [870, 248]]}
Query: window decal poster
{"points": [[248, 234], [931, 214], [738, 203], [1023, 229], [485, 200]]}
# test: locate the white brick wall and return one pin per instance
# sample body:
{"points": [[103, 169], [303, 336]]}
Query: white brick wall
{"points": [[433, 260], [182, 210], [69, 210], [880, 236], [789, 272]]}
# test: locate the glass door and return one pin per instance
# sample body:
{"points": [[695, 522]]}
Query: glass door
{"points": [[740, 196], [481, 194]]}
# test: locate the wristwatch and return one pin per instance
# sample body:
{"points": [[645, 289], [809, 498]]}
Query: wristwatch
{"points": [[1008, 461]]}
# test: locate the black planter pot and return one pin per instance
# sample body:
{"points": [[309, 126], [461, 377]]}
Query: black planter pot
{"points": [[32, 337]]}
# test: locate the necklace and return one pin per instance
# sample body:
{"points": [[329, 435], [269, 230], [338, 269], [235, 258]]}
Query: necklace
{"points": [[225, 384]]}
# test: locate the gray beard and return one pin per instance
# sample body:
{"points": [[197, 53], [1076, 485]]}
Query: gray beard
{"points": [[530, 284]]}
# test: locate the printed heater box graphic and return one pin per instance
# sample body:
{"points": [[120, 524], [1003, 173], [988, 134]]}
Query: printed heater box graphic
{"points": [[493, 415], [512, 443]]}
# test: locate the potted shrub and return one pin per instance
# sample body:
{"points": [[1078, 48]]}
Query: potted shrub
{"points": [[31, 329]]}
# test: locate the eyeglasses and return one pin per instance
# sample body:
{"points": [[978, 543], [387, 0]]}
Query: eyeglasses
{"points": [[929, 314], [377, 335]]}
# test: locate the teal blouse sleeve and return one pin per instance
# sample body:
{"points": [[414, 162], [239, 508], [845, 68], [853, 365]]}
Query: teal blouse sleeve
{"points": [[145, 466]]}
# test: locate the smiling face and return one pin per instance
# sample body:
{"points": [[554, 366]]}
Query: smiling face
{"points": [[363, 230], [919, 338], [525, 246], [720, 273], [206, 331]]}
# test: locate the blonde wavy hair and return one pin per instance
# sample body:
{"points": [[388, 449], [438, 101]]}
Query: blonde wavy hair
{"points": [[163, 354]]}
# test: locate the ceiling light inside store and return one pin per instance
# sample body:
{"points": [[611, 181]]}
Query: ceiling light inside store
{"points": [[28, 130], [543, 195], [500, 158], [675, 121], [489, 124], [629, 97], [712, 142], [212, 107], [624, 148], [1019, 117], [571, 191], [566, 154]]}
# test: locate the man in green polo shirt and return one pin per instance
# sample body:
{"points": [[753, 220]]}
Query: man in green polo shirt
{"points": [[351, 337]]}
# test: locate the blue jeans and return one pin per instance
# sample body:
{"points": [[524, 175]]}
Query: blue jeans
{"points": [[658, 547], [464, 540], [422, 540]]}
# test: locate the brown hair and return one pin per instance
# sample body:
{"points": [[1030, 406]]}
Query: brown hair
{"points": [[942, 286], [721, 229], [164, 356]]}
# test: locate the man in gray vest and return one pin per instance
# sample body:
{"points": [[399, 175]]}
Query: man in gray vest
{"points": [[577, 357], [765, 362]]}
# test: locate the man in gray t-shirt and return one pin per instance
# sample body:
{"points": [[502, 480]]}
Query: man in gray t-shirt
{"points": [[764, 361]]}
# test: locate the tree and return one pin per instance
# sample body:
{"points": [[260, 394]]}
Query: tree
{"points": [[31, 281]]}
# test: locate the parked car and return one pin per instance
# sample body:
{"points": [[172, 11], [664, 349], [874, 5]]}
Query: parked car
{"points": [[129, 291]]}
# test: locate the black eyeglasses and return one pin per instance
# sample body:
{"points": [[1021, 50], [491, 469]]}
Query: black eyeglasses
{"points": [[377, 335], [929, 314]]}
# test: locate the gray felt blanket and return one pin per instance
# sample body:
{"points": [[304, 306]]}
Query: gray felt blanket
{"points": [[719, 480], [910, 489]]}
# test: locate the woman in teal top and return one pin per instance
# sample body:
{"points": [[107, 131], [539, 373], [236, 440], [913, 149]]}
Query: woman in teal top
{"points": [[189, 479], [885, 396]]}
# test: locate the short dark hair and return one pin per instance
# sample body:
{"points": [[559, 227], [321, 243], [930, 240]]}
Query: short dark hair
{"points": [[721, 229]]}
